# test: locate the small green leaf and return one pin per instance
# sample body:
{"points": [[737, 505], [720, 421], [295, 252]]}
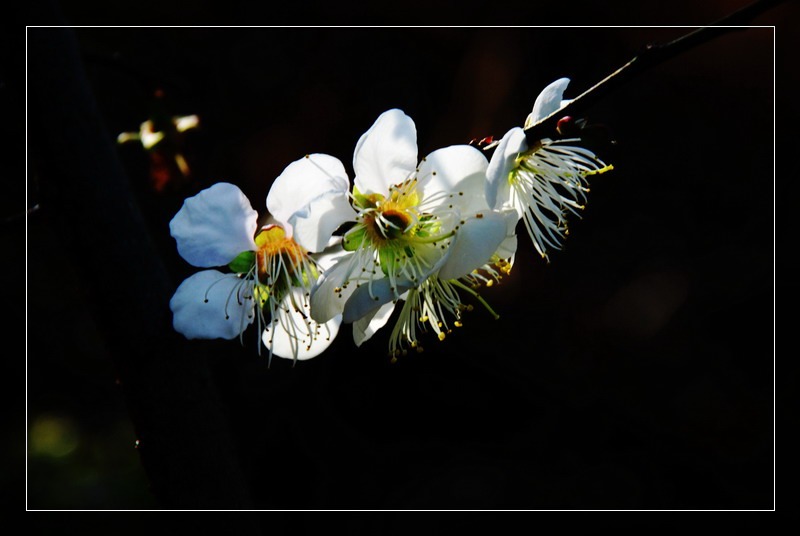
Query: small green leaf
{"points": [[243, 262]]}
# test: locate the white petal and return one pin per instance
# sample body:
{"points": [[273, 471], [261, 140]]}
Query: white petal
{"points": [[214, 226], [293, 335], [208, 305], [386, 154], [311, 194], [314, 226], [331, 254], [548, 101], [328, 295], [365, 327], [325, 302], [507, 248], [511, 218], [366, 299], [454, 175], [498, 189], [475, 243]]}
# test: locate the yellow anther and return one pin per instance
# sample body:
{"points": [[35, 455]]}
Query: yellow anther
{"points": [[598, 171]]}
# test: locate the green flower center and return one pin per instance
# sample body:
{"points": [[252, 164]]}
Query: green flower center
{"points": [[394, 228]]}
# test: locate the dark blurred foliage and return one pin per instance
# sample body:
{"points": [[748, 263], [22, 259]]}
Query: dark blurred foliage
{"points": [[635, 371]]}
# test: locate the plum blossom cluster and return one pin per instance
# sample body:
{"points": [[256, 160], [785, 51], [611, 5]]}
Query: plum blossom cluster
{"points": [[408, 239]]}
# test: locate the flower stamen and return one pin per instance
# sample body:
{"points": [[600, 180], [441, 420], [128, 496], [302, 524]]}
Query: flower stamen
{"points": [[548, 181]]}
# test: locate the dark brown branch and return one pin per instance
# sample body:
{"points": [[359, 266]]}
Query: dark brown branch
{"points": [[652, 55]]}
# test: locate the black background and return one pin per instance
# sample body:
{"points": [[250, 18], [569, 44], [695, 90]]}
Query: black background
{"points": [[635, 371]]}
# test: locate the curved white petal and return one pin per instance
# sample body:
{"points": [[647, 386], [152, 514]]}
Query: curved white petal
{"points": [[293, 335], [454, 175], [366, 326], [385, 154], [475, 243], [214, 226], [329, 295], [311, 196], [498, 189], [211, 305], [314, 226], [332, 252], [548, 101], [507, 248], [366, 299], [325, 302]]}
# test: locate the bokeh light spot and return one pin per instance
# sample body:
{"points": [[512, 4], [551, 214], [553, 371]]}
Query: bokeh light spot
{"points": [[53, 436]]}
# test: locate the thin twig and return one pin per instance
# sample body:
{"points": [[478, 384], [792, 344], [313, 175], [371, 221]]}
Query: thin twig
{"points": [[652, 55]]}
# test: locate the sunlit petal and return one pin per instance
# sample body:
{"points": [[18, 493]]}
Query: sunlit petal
{"points": [[454, 175], [293, 334], [386, 154], [548, 101], [214, 226], [498, 188], [475, 243], [311, 196], [314, 225]]}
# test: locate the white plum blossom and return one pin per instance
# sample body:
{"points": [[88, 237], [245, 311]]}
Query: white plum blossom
{"points": [[543, 181], [435, 304], [418, 229], [270, 271]]}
